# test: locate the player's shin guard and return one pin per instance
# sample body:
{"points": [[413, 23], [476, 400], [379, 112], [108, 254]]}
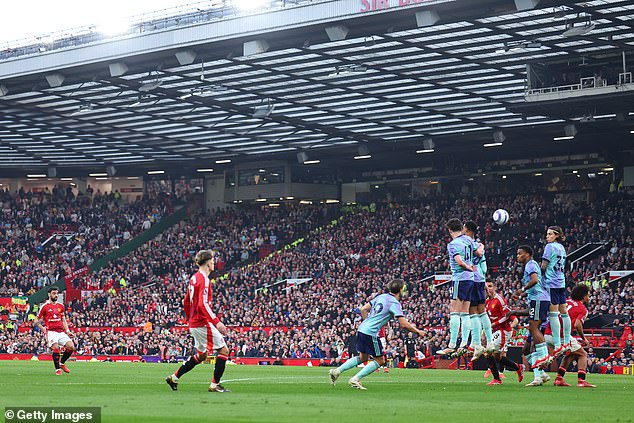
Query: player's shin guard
{"points": [[349, 364], [486, 326], [476, 330], [581, 375], [192, 362], [465, 328], [493, 366], [371, 366], [566, 323], [56, 358], [219, 370], [561, 372], [454, 327], [509, 364], [555, 325], [65, 356]]}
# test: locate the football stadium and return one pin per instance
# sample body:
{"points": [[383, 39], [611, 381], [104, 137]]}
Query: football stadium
{"points": [[317, 211]]}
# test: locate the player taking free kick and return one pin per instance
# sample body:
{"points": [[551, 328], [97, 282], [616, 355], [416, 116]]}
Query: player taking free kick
{"points": [[56, 329]]}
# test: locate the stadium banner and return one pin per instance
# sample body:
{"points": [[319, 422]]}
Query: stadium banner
{"points": [[20, 303], [441, 279], [77, 273], [5, 302], [618, 274], [242, 329]]}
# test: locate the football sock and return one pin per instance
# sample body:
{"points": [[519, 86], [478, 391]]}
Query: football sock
{"points": [[581, 375], [465, 324], [191, 362], [349, 364], [494, 368], [56, 358], [476, 330], [567, 325], [555, 325], [541, 349], [561, 372], [509, 364], [454, 327], [65, 356], [486, 326], [369, 368], [531, 359], [221, 362]]}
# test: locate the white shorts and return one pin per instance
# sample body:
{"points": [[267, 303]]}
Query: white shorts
{"points": [[501, 339], [207, 339], [574, 344], [59, 338]]}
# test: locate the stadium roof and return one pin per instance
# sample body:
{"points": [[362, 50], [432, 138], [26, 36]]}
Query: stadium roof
{"points": [[386, 87]]}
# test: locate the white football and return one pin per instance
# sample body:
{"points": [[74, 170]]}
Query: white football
{"points": [[501, 216]]}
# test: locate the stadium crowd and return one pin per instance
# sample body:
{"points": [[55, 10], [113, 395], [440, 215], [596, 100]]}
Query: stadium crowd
{"points": [[94, 224], [347, 261]]}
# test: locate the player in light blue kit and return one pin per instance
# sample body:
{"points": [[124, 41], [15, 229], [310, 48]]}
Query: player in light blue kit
{"points": [[376, 314], [461, 251], [553, 263], [478, 316], [538, 303]]}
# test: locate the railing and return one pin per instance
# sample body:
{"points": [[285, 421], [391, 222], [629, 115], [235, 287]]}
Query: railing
{"points": [[184, 15], [584, 84]]}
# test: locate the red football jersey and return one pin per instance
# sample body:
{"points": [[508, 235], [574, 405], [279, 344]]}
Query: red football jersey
{"points": [[198, 302], [576, 310], [497, 309], [52, 314]]}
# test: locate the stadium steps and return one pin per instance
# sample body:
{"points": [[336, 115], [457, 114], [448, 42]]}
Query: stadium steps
{"points": [[164, 224]]}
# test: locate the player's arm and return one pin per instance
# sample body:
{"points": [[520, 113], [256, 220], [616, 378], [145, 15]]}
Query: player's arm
{"points": [[479, 251], [531, 283], [38, 323], [544, 264], [65, 324], [404, 324], [545, 261], [523, 312], [365, 310], [515, 322], [460, 262], [579, 328]]}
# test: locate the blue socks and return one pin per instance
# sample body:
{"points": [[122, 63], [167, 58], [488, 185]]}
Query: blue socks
{"points": [[486, 325], [372, 366], [476, 330], [555, 326], [567, 324], [349, 364], [454, 327], [465, 323]]}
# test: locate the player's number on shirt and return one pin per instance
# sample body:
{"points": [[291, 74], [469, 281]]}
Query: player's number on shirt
{"points": [[378, 307], [468, 253], [559, 264]]}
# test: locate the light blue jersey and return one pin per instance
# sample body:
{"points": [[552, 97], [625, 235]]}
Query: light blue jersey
{"points": [[385, 307], [554, 277], [464, 247], [537, 292], [481, 268]]}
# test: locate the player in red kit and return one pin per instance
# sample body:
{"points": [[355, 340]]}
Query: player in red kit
{"points": [[498, 311], [576, 307], [56, 329], [204, 325]]}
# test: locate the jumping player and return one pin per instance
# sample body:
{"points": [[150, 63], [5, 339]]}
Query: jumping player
{"points": [[576, 307], [499, 312], [478, 317], [204, 325], [553, 262], [56, 329], [376, 314], [538, 304], [461, 251]]}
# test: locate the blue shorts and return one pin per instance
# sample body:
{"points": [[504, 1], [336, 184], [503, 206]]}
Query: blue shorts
{"points": [[538, 310], [478, 294], [557, 296], [461, 290], [369, 345]]}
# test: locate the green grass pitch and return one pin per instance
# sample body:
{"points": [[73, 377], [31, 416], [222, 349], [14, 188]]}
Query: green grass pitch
{"points": [[129, 392]]}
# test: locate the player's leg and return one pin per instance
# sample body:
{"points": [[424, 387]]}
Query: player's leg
{"points": [[372, 347], [69, 348], [506, 362], [352, 362], [56, 357], [465, 320], [218, 344], [537, 314], [553, 318], [493, 366], [485, 322], [199, 356], [219, 370], [476, 330], [566, 323]]}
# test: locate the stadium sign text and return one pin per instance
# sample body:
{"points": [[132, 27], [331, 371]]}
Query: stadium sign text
{"points": [[374, 5]]}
